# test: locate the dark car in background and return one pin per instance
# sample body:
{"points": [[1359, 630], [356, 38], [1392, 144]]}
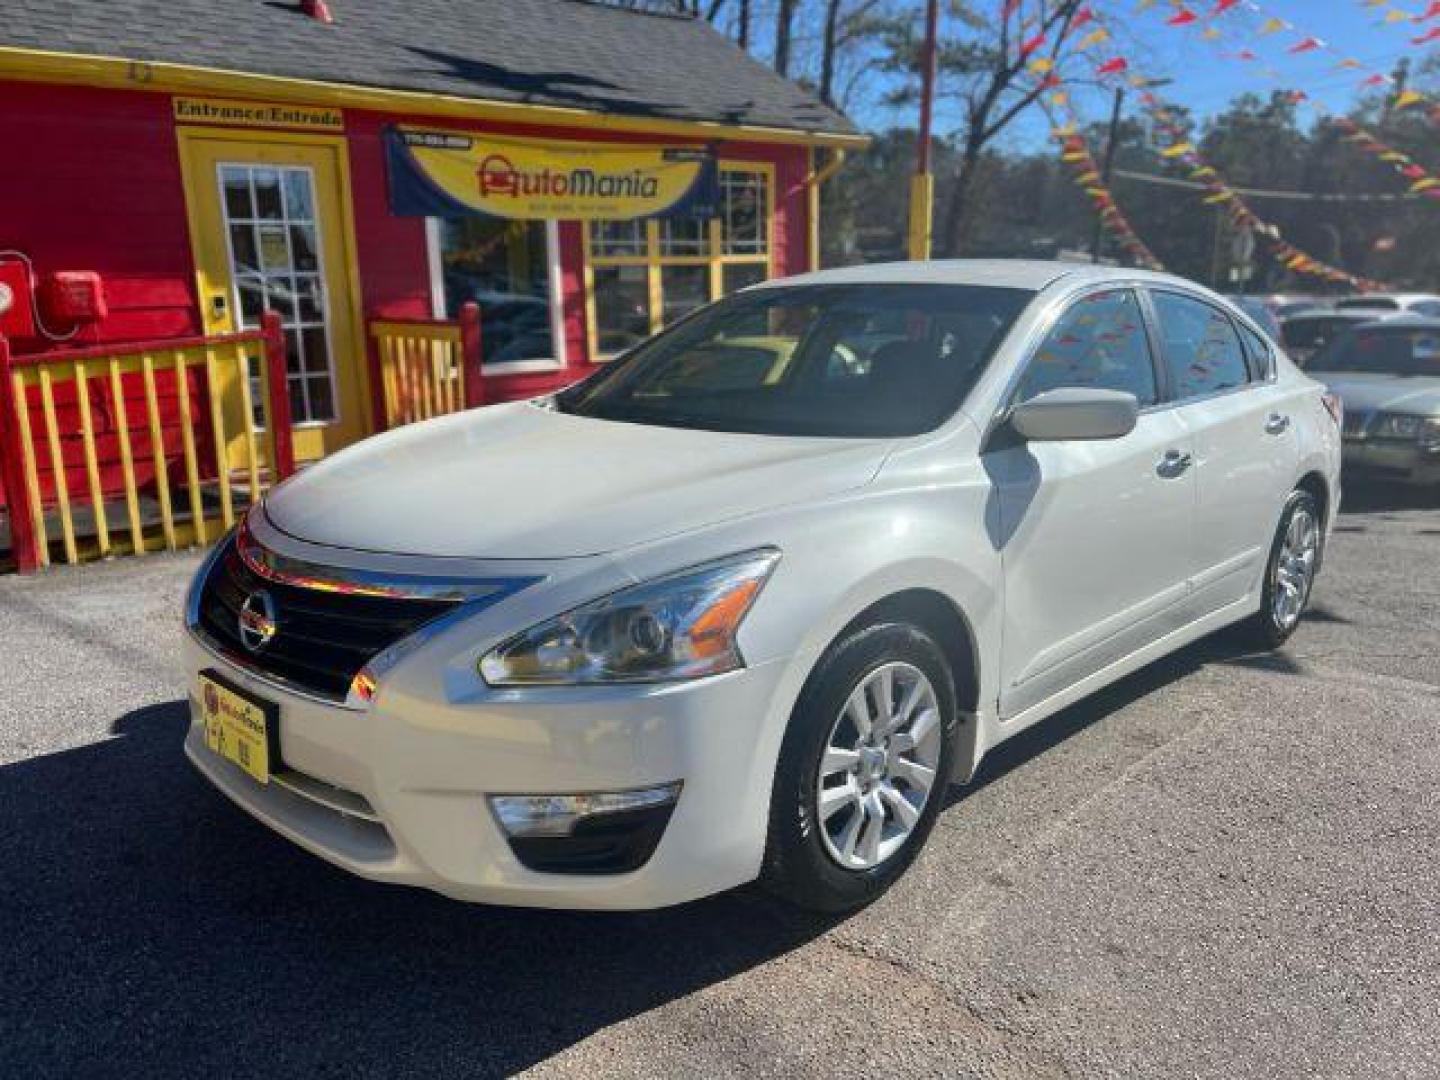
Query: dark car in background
{"points": [[1305, 334]]}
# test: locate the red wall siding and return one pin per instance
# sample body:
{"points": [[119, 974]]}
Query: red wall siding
{"points": [[91, 181], [392, 255]]}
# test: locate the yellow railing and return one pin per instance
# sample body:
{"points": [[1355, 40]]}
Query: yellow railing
{"points": [[428, 367], [139, 447]]}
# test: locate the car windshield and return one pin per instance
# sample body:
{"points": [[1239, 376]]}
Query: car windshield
{"points": [[1382, 351], [828, 360]]}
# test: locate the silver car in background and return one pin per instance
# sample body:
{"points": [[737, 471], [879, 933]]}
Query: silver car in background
{"points": [[1388, 375]]}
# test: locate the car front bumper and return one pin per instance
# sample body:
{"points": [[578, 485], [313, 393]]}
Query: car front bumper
{"points": [[1403, 461], [398, 792]]}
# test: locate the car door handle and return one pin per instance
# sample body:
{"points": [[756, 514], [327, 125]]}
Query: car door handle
{"points": [[1276, 424], [1173, 464]]}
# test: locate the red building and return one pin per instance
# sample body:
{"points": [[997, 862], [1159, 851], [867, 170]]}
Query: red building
{"points": [[585, 174]]}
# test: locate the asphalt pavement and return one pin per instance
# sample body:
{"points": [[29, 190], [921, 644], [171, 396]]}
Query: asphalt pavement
{"points": [[1227, 865]]}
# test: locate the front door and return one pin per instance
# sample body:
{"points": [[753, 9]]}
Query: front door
{"points": [[1094, 537], [269, 230]]}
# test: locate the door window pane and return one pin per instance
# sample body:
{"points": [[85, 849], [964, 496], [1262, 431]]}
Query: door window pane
{"points": [[1099, 343], [275, 262], [268, 203], [1258, 352], [1202, 350], [504, 267], [235, 182], [622, 307]]}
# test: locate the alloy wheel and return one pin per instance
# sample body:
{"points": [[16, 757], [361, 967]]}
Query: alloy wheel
{"points": [[879, 766], [1295, 568]]}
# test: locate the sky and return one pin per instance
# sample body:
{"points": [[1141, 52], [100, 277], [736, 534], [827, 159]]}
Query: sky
{"points": [[1208, 74]]}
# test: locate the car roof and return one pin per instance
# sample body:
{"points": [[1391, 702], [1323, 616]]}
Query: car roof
{"points": [[1000, 273], [1390, 321], [1398, 297], [1343, 315]]}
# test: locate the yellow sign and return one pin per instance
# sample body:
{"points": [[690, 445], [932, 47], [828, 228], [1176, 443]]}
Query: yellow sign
{"points": [[256, 114], [450, 172], [235, 728]]}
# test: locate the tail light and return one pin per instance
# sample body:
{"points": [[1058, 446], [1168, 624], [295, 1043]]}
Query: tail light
{"points": [[1335, 407]]}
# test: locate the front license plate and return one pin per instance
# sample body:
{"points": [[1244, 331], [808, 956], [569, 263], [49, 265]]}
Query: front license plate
{"points": [[238, 727]]}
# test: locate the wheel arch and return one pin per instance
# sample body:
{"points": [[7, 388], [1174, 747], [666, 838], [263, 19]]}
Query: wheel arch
{"points": [[940, 617]]}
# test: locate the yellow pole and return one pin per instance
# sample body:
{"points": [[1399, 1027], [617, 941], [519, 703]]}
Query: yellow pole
{"points": [[922, 198], [922, 185]]}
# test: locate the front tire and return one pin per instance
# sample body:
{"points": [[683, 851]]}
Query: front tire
{"points": [[863, 768], [1289, 572]]}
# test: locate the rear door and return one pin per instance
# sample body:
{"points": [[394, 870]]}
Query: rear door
{"points": [[1221, 378], [1094, 535]]}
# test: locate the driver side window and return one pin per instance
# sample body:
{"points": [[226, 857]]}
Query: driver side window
{"points": [[1099, 343]]}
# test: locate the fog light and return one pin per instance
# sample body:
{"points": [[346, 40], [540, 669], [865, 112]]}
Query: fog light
{"points": [[607, 832]]}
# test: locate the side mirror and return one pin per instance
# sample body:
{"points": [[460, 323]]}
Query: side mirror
{"points": [[1073, 412]]}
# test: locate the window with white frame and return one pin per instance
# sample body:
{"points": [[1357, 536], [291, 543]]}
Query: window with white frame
{"points": [[646, 274], [511, 269]]}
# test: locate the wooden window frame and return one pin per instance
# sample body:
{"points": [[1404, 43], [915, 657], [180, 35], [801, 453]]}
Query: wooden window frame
{"points": [[653, 261]]}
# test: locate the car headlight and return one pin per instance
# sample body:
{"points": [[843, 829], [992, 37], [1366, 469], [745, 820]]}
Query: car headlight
{"points": [[681, 626], [1396, 426]]}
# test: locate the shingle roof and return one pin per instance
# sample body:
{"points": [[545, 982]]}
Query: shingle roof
{"points": [[572, 53]]}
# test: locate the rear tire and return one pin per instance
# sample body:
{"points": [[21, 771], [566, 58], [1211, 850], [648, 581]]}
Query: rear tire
{"points": [[860, 780], [1289, 573]]}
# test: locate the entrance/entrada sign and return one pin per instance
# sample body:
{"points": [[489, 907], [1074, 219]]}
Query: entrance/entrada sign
{"points": [[450, 173], [189, 110]]}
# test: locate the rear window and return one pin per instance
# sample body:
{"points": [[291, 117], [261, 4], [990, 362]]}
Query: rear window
{"points": [[1382, 351]]}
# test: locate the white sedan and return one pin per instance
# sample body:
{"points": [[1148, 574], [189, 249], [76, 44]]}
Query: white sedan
{"points": [[743, 603]]}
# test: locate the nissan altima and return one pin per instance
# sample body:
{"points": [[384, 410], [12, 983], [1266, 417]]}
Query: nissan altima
{"points": [[741, 604]]}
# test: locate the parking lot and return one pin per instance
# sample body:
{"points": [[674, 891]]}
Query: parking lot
{"points": [[1225, 865]]}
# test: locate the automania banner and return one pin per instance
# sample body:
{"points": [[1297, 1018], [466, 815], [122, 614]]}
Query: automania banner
{"points": [[452, 173]]}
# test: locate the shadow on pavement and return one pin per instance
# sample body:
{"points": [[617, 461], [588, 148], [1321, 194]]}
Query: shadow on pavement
{"points": [[149, 925], [1363, 495]]}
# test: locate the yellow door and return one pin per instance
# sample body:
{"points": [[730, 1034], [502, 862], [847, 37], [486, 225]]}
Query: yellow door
{"points": [[270, 227]]}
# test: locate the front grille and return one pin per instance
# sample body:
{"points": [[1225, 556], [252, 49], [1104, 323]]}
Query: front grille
{"points": [[323, 637]]}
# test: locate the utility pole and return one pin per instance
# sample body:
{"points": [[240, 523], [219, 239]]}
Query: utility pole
{"points": [[922, 185], [1106, 166]]}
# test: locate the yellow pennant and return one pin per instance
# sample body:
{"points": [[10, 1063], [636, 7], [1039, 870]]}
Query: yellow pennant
{"points": [[1095, 37], [1178, 150], [1272, 25], [1042, 65], [1408, 98], [1424, 185]]}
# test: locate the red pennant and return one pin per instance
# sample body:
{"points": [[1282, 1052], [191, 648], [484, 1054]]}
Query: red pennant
{"points": [[1010, 6], [1308, 45], [1112, 67], [1413, 172], [1246, 54], [1376, 80], [1030, 46], [1183, 17], [1429, 13], [1085, 15], [1223, 6], [1429, 35]]}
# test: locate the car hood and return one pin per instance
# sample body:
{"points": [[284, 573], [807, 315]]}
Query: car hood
{"points": [[523, 482], [1385, 393]]}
